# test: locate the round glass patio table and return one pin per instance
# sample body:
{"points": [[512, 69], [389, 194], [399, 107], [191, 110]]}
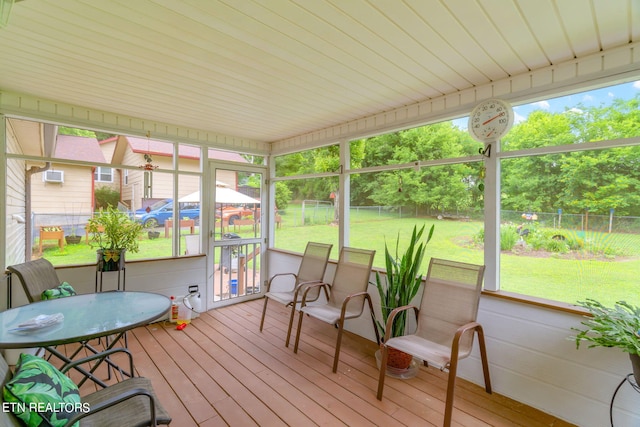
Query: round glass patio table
{"points": [[86, 317]]}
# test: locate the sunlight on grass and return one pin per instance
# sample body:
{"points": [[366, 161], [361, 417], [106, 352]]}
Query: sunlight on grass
{"points": [[606, 268]]}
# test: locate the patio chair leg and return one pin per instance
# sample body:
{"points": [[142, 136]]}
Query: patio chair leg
{"points": [[295, 347], [451, 383], [383, 369], [373, 319], [336, 357], [264, 310], [291, 316], [485, 360]]}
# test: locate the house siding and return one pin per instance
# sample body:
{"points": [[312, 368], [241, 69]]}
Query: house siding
{"points": [[15, 204], [66, 198]]}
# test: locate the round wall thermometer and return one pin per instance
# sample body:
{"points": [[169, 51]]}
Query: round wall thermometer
{"points": [[490, 120]]}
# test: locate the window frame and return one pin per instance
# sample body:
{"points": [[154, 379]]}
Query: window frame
{"points": [[172, 170], [100, 171], [492, 208]]}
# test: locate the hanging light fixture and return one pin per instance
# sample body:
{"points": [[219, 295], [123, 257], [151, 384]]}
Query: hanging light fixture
{"points": [[148, 166]]}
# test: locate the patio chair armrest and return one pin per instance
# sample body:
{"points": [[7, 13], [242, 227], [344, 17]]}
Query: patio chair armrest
{"points": [[392, 317], [471, 326], [311, 285], [101, 356], [302, 286], [357, 294], [112, 401], [348, 299], [280, 275], [352, 296], [464, 328]]}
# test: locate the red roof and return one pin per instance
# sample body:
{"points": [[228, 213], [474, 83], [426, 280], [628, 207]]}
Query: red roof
{"points": [[160, 148], [73, 147]]}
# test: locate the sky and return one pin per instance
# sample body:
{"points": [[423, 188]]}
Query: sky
{"points": [[592, 98]]}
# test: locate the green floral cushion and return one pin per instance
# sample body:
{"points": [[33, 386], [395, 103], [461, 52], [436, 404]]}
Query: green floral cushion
{"points": [[39, 393], [64, 290]]}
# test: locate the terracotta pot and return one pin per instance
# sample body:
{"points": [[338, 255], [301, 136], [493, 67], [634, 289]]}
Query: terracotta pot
{"points": [[635, 364], [398, 359]]}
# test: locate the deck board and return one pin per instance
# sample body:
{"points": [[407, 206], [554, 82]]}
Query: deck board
{"points": [[221, 370]]}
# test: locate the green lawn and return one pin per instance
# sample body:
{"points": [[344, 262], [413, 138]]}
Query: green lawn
{"points": [[85, 254], [562, 278], [545, 275]]}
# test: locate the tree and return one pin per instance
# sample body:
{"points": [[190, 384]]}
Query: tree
{"points": [[106, 197], [434, 189], [283, 195], [533, 183]]}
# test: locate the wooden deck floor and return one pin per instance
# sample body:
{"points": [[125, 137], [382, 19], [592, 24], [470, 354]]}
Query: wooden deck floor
{"points": [[220, 370]]}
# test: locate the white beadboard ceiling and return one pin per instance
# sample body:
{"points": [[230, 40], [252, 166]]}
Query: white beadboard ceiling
{"points": [[267, 70]]}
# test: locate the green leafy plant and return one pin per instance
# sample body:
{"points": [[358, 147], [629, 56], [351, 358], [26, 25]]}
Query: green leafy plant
{"points": [[508, 237], [617, 326], [106, 197], [114, 230], [403, 279]]}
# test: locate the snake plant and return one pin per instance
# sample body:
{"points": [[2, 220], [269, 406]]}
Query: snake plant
{"points": [[403, 278]]}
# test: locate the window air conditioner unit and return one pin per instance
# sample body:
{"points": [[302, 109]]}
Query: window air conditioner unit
{"points": [[53, 176]]}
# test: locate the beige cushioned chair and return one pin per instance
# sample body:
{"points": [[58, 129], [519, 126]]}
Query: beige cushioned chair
{"points": [[312, 268], [446, 324], [345, 296]]}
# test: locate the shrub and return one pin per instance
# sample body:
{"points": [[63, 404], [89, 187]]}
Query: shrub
{"points": [[106, 197], [508, 237], [557, 245]]}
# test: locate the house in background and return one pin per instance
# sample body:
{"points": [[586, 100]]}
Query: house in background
{"points": [[274, 78], [62, 193], [140, 188]]}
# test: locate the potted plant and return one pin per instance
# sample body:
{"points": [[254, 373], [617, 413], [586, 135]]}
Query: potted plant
{"points": [[152, 233], [73, 238], [114, 232], [400, 286], [617, 326], [72, 220]]}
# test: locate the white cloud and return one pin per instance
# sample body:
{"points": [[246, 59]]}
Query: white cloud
{"points": [[542, 104], [611, 95], [461, 123], [636, 84], [575, 110], [517, 118], [587, 98]]}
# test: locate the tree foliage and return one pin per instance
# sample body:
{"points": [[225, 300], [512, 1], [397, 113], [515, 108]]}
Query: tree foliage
{"points": [[597, 180], [106, 197]]}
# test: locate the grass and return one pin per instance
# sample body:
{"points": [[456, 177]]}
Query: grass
{"points": [[85, 254], [567, 278]]}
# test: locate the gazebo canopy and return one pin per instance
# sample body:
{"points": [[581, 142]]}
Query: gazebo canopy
{"points": [[223, 195]]}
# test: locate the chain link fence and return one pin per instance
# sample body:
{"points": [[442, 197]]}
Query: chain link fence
{"points": [[580, 222]]}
